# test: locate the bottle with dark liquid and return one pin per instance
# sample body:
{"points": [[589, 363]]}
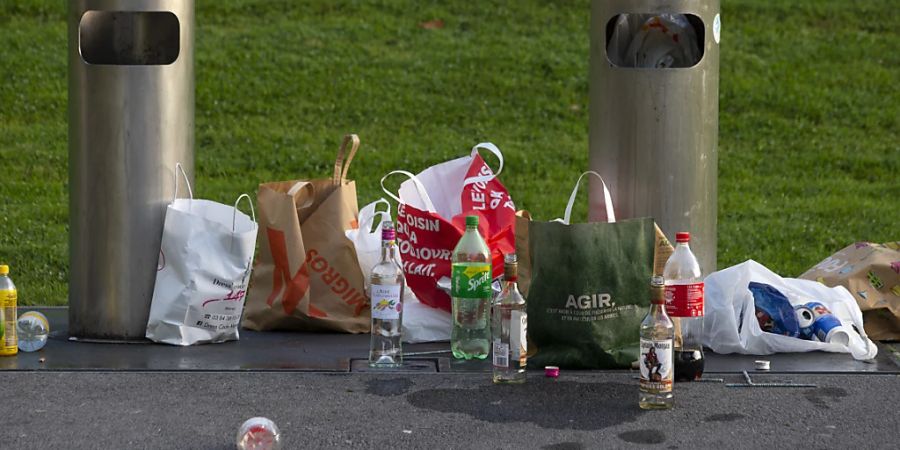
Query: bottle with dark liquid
{"points": [[684, 300]]}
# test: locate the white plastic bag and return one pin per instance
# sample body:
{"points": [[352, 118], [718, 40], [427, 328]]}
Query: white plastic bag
{"points": [[731, 326], [204, 265], [421, 323]]}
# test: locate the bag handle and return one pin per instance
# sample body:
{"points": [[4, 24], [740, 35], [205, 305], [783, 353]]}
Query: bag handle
{"points": [[420, 188], [234, 214], [342, 166], [485, 178], [300, 185], [367, 224], [179, 168], [607, 199]]}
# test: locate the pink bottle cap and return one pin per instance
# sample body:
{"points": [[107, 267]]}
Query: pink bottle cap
{"points": [[551, 371]]}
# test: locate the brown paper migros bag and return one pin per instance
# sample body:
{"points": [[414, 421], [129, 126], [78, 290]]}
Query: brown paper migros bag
{"points": [[871, 272], [307, 276]]}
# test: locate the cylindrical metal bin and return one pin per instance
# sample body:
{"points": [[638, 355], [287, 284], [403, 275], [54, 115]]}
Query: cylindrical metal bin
{"points": [[654, 131], [131, 118]]}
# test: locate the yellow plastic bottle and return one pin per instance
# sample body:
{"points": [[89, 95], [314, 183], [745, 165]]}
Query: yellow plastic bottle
{"points": [[9, 344]]}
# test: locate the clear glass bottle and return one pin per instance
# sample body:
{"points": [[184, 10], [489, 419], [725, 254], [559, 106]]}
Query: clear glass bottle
{"points": [[656, 352], [684, 301], [387, 284], [9, 344], [470, 292], [509, 322]]}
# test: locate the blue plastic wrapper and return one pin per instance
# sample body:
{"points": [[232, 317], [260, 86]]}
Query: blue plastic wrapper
{"points": [[773, 310]]}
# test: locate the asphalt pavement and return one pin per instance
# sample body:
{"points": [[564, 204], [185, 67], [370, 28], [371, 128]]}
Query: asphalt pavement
{"points": [[202, 410]]}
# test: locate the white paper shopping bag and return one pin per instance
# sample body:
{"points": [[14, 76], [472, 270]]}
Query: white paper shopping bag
{"points": [[204, 266]]}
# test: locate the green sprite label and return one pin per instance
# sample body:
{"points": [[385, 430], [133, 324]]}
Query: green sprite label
{"points": [[470, 280]]}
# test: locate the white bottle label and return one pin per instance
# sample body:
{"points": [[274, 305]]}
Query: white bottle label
{"points": [[386, 302], [501, 354], [656, 366], [518, 330]]}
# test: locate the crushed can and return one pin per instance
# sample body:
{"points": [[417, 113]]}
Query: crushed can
{"points": [[827, 327]]}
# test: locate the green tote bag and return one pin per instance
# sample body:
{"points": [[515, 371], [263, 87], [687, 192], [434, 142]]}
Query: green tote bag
{"points": [[587, 287]]}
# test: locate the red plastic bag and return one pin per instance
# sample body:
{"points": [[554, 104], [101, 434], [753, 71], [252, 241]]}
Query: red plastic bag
{"points": [[431, 212]]}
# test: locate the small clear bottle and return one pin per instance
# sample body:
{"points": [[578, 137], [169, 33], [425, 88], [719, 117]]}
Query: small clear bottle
{"points": [[470, 292], [656, 352], [32, 330], [386, 295], [509, 323], [9, 344]]}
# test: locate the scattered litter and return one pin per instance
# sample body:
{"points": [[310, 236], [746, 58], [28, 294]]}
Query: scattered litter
{"points": [[258, 433], [750, 383], [762, 364], [407, 431], [551, 371], [709, 380]]}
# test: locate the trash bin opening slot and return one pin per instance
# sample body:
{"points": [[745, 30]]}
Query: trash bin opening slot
{"points": [[655, 41], [129, 38]]}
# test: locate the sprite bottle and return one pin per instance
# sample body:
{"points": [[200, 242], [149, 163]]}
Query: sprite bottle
{"points": [[470, 289]]}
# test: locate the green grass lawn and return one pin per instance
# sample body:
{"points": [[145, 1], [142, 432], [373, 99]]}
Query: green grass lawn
{"points": [[808, 141]]}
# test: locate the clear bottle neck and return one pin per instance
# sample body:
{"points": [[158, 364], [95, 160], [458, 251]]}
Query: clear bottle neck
{"points": [[657, 300], [511, 275], [387, 250]]}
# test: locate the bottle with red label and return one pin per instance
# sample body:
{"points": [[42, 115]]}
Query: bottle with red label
{"points": [[684, 299]]}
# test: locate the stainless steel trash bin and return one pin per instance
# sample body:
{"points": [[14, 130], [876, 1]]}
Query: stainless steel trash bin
{"points": [[131, 118], [654, 131]]}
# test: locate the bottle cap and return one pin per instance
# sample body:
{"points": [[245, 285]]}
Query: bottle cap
{"points": [[551, 372], [682, 236], [4, 269], [510, 258], [387, 231], [471, 221]]}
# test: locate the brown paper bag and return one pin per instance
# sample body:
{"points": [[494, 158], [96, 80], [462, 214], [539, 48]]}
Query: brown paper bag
{"points": [[871, 272], [307, 276]]}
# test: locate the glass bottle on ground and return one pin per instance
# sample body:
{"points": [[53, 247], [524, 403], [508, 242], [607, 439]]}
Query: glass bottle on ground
{"points": [[509, 322], [470, 292], [656, 352], [386, 295], [684, 300], [9, 345]]}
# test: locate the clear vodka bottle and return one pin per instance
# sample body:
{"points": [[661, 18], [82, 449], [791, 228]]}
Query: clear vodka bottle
{"points": [[684, 301], [470, 291], [656, 352], [387, 285], [509, 322]]}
